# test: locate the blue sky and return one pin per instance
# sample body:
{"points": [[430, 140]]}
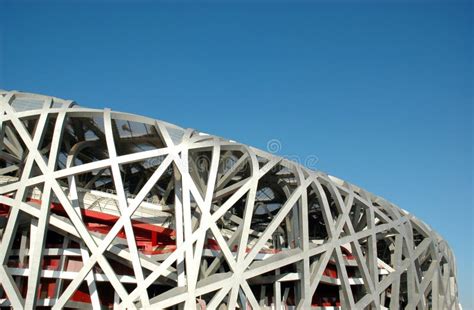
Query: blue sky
{"points": [[381, 93]]}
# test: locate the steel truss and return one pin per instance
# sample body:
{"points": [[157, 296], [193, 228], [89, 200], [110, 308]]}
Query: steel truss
{"points": [[106, 209]]}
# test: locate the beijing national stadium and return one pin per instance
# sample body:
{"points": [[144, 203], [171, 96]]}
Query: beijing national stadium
{"points": [[101, 209]]}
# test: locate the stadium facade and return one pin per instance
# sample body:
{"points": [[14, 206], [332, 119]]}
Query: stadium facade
{"points": [[102, 209]]}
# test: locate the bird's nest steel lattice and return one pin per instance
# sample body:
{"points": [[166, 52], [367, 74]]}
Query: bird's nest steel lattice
{"points": [[104, 209]]}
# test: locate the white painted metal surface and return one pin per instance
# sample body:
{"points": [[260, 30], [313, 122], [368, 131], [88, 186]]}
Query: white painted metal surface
{"points": [[245, 229]]}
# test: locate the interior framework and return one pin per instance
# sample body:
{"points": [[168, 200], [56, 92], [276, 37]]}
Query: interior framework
{"points": [[100, 209]]}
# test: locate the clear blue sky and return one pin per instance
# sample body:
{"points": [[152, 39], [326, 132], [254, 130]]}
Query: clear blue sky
{"points": [[381, 93]]}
